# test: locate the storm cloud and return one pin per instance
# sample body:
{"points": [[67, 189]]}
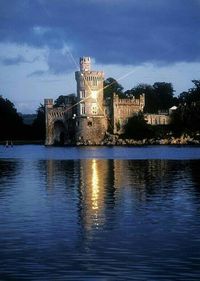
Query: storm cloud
{"points": [[15, 60], [126, 32]]}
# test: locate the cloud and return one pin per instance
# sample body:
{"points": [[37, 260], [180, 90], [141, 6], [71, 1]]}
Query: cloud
{"points": [[113, 32], [37, 73], [16, 60], [59, 61]]}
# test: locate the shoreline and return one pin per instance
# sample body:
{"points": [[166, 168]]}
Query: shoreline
{"points": [[114, 140]]}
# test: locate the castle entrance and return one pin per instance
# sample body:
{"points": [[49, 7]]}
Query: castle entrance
{"points": [[59, 133]]}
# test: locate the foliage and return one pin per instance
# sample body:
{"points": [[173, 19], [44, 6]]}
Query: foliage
{"points": [[112, 86], [193, 94], [157, 97], [63, 99], [186, 119], [60, 101], [137, 128], [38, 125], [11, 124]]}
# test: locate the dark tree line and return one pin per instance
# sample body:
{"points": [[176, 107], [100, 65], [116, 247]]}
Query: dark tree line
{"points": [[11, 124], [186, 119], [159, 96], [12, 127]]}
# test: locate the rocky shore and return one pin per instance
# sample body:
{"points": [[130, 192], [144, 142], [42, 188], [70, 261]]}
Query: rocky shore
{"points": [[115, 140]]}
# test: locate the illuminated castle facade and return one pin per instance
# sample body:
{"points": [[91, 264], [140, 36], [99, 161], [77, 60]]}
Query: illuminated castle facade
{"points": [[86, 118]]}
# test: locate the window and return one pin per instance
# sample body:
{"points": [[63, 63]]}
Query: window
{"points": [[82, 94], [82, 82], [82, 108], [94, 109], [89, 124], [94, 81]]}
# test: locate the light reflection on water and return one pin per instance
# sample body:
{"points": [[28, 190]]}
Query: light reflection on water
{"points": [[94, 219]]}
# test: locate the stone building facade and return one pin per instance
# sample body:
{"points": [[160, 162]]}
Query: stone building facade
{"points": [[157, 119], [87, 117], [122, 109]]}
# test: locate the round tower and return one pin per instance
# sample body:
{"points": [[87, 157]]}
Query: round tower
{"points": [[90, 112]]}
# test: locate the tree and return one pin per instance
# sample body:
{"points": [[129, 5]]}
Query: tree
{"points": [[151, 100], [187, 117], [137, 127], [192, 95], [164, 93], [11, 124], [63, 100], [112, 86], [39, 124]]}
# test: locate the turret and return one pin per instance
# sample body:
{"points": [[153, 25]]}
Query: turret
{"points": [[48, 103], [85, 64]]}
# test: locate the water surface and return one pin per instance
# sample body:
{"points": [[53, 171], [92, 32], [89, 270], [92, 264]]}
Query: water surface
{"points": [[134, 215]]}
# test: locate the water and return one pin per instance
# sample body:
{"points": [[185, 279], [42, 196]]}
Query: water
{"points": [[100, 213]]}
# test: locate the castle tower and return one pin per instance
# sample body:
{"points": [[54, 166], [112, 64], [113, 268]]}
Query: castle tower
{"points": [[91, 121]]}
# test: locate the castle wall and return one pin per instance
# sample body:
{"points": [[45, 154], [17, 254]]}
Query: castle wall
{"points": [[58, 121], [91, 130], [124, 109]]}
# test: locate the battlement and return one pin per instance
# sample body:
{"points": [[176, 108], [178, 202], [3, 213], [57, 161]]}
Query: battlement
{"points": [[129, 101], [85, 64], [48, 103], [93, 73]]}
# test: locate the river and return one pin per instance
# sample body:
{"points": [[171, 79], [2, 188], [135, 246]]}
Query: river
{"points": [[100, 213]]}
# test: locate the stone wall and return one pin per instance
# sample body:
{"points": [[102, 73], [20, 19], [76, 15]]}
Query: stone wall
{"points": [[122, 109], [91, 130], [58, 121]]}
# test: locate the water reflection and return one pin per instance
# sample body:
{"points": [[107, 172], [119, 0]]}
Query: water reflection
{"points": [[98, 219], [8, 168], [92, 186], [99, 185]]}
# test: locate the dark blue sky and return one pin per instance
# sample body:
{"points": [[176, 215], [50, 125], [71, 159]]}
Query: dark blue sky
{"points": [[39, 38]]}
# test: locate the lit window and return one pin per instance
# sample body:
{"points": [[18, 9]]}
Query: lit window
{"points": [[82, 108]]}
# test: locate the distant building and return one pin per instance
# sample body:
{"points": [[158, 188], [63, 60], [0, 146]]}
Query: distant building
{"points": [[162, 118], [157, 119], [87, 117]]}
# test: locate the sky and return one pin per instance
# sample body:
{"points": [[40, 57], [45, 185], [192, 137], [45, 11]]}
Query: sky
{"points": [[133, 41]]}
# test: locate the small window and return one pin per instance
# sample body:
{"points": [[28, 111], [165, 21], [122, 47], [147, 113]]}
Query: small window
{"points": [[94, 81], [82, 94], [89, 123], [82, 108], [82, 82], [94, 109]]}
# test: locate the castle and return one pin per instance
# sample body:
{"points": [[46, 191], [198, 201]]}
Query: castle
{"points": [[86, 118]]}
